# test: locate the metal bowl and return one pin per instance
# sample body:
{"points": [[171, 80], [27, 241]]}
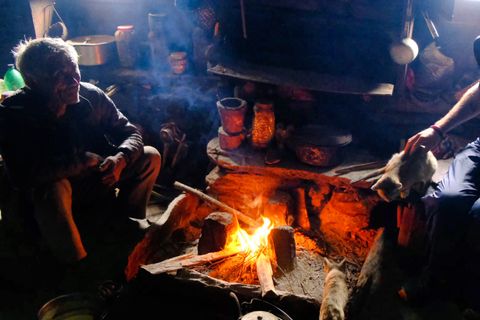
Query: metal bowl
{"points": [[71, 306], [94, 50]]}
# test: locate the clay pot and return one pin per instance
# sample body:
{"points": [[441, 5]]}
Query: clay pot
{"points": [[232, 114], [228, 141]]}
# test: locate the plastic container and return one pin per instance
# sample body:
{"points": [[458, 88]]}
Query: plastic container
{"points": [[126, 45], [13, 80]]}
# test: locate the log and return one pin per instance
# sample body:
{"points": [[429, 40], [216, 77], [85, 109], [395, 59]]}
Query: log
{"points": [[302, 213], [216, 229], [186, 260], [283, 240], [240, 216], [265, 275]]}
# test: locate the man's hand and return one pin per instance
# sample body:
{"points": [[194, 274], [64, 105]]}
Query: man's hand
{"points": [[112, 168], [93, 160], [428, 138]]}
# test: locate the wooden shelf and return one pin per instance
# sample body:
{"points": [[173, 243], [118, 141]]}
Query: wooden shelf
{"points": [[303, 79]]}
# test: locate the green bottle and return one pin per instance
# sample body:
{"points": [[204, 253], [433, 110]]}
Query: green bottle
{"points": [[13, 79]]}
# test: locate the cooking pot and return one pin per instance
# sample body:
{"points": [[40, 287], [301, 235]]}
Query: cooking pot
{"points": [[319, 145], [94, 50]]}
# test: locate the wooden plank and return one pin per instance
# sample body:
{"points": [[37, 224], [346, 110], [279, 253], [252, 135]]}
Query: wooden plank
{"points": [[186, 260]]}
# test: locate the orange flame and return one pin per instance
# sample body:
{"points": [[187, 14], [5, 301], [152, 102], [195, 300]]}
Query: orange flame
{"points": [[254, 244]]}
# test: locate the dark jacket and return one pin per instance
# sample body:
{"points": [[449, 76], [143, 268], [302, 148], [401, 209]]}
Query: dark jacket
{"points": [[39, 148]]}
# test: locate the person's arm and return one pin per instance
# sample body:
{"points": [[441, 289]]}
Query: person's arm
{"points": [[466, 108], [124, 135], [120, 130]]}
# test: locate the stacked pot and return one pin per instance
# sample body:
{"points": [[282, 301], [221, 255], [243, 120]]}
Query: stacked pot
{"points": [[232, 115]]}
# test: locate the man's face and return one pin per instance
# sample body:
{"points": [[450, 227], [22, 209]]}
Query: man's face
{"points": [[66, 83]]}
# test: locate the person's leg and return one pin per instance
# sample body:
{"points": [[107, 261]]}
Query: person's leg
{"points": [[53, 213], [468, 272], [136, 183], [447, 210]]}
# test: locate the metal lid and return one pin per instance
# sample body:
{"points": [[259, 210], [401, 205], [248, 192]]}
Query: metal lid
{"points": [[260, 315]]}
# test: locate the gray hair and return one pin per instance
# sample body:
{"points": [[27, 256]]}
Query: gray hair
{"points": [[40, 58]]}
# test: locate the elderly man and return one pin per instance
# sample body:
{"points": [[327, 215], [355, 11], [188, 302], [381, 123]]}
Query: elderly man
{"points": [[453, 208], [64, 142]]}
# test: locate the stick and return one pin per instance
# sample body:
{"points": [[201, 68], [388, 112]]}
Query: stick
{"points": [[240, 216], [265, 274], [186, 260], [359, 167]]}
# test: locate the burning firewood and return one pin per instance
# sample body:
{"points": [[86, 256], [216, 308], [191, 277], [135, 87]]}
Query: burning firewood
{"points": [[216, 229], [240, 216], [302, 213], [265, 275], [187, 260], [283, 242]]}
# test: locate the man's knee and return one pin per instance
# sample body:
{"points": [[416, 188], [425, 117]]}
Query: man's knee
{"points": [[151, 160], [448, 205]]}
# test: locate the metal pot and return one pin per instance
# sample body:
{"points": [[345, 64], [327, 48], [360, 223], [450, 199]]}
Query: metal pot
{"points": [[94, 50], [319, 145], [71, 306]]}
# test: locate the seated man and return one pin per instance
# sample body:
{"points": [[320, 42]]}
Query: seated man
{"points": [[64, 141], [453, 208]]}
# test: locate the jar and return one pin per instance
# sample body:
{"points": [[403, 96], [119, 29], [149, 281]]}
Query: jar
{"points": [[263, 126], [126, 46], [178, 61]]}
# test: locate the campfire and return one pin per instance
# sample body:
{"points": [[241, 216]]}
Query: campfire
{"points": [[247, 237]]}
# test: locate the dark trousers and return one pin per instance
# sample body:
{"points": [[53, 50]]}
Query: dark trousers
{"points": [[54, 203], [453, 216]]}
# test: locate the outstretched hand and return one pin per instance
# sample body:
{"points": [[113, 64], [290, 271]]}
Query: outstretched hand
{"points": [[111, 169], [428, 138]]}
